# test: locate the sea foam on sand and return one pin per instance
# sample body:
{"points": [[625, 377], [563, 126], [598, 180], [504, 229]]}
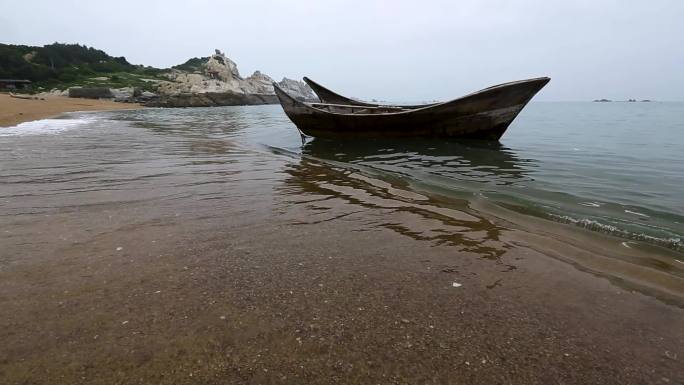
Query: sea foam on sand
{"points": [[44, 126]]}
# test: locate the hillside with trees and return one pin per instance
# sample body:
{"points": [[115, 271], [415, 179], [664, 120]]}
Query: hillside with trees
{"points": [[63, 65]]}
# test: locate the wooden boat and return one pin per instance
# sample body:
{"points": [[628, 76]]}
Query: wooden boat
{"points": [[485, 114]]}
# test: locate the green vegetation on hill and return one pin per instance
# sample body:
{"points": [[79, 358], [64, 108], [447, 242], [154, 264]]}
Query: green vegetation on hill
{"points": [[64, 65], [192, 65]]}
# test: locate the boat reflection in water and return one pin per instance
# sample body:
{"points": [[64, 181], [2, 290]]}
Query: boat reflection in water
{"points": [[489, 163], [371, 181]]}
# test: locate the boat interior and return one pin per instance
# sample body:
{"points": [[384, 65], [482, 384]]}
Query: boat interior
{"points": [[350, 109]]}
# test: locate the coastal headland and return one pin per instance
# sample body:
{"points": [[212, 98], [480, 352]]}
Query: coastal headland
{"points": [[85, 72]]}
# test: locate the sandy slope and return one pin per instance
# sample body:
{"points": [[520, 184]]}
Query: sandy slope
{"points": [[14, 111]]}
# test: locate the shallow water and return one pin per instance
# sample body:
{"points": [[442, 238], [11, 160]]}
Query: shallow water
{"points": [[615, 168]]}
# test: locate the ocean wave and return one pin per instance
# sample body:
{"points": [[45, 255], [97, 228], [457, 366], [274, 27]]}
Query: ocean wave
{"points": [[671, 243], [44, 127]]}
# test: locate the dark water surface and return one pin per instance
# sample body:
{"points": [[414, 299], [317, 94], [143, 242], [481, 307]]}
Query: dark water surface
{"points": [[615, 168]]}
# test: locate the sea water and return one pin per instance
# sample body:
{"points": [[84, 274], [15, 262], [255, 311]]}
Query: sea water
{"points": [[615, 168]]}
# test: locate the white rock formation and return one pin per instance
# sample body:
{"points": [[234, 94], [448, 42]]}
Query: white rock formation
{"points": [[221, 67], [297, 89], [220, 74], [122, 93], [53, 92], [258, 83]]}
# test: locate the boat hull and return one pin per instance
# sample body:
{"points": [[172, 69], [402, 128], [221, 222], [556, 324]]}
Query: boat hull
{"points": [[485, 114]]}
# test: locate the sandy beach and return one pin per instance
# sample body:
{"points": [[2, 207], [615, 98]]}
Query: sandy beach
{"points": [[14, 110], [139, 253], [252, 303]]}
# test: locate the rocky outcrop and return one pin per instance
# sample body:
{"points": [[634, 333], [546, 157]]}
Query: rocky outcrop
{"points": [[259, 83], [212, 81], [125, 94], [299, 90], [221, 67], [53, 92], [218, 83], [210, 99]]}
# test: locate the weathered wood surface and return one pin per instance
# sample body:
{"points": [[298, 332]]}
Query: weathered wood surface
{"points": [[485, 114]]}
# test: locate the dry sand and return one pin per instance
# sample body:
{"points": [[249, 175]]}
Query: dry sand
{"points": [[14, 111]]}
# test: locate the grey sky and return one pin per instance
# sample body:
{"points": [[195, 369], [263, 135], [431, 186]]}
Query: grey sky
{"points": [[411, 50]]}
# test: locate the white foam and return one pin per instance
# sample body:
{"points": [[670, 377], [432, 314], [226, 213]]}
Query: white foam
{"points": [[672, 243], [636, 213], [44, 127]]}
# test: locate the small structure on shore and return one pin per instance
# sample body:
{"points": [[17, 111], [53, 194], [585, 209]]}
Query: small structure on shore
{"points": [[14, 84]]}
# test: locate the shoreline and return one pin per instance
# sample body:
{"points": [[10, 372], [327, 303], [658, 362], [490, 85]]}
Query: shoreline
{"points": [[14, 111]]}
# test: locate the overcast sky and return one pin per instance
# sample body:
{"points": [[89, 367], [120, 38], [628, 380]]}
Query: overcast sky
{"points": [[409, 50]]}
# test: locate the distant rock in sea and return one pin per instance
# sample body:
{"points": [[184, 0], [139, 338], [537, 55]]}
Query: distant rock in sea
{"points": [[628, 100], [217, 82]]}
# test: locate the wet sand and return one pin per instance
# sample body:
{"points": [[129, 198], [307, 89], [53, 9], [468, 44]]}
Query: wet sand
{"points": [[200, 269], [14, 111], [245, 302]]}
